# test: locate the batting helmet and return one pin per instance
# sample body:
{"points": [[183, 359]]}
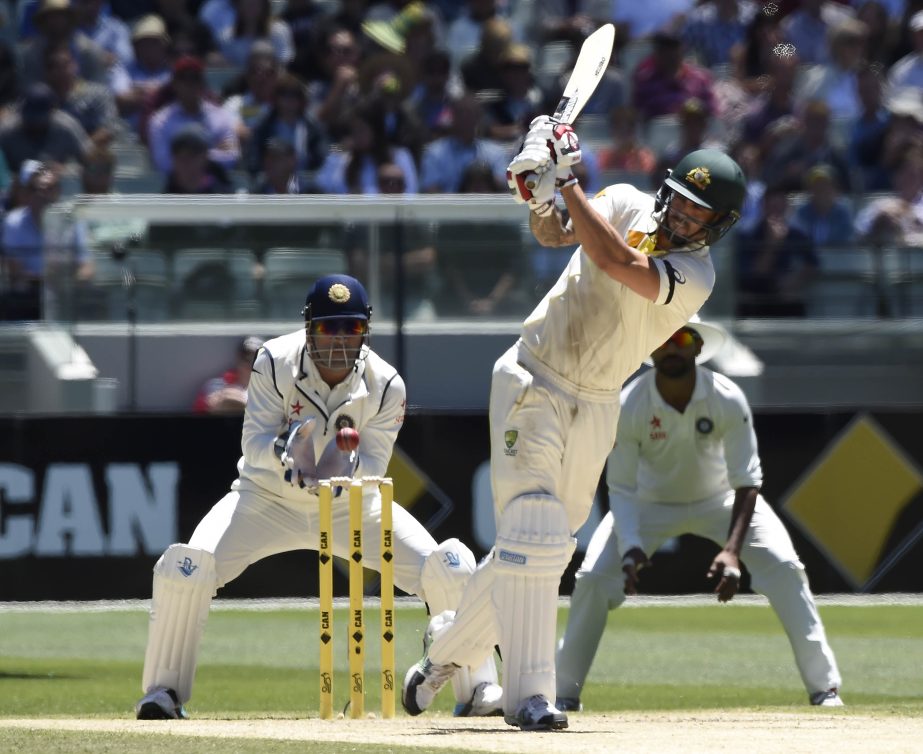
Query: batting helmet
{"points": [[712, 180]]}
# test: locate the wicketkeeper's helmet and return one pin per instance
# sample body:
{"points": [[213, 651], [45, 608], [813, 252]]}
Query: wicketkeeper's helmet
{"points": [[337, 297]]}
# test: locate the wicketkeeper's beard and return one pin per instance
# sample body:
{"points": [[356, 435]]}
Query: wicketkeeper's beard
{"points": [[334, 352]]}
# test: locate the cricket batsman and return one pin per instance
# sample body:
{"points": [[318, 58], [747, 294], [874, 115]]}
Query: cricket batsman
{"points": [[641, 271]]}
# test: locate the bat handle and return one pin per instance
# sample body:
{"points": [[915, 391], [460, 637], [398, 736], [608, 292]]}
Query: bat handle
{"points": [[531, 181]]}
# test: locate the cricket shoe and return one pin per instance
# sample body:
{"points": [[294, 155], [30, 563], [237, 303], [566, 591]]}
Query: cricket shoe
{"points": [[423, 681], [828, 698], [568, 704], [486, 701], [537, 713], [160, 704]]}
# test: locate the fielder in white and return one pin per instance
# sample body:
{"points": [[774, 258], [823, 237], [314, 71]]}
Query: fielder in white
{"points": [[641, 271], [305, 386], [686, 462]]}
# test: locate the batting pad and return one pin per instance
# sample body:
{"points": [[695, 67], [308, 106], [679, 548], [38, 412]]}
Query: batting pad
{"points": [[184, 583], [533, 548], [445, 573]]}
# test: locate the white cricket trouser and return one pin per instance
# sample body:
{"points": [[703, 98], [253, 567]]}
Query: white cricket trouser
{"points": [[768, 553], [246, 526], [559, 449]]}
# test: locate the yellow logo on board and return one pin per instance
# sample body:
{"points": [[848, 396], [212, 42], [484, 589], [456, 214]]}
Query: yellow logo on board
{"points": [[862, 478]]}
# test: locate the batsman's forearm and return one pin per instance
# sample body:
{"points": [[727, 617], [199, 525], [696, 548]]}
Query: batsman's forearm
{"points": [[550, 231], [741, 515]]}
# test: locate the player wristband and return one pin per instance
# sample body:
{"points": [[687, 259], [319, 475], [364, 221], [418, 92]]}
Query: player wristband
{"points": [[731, 573]]}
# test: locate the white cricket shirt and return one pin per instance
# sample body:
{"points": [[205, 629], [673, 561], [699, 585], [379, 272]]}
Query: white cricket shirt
{"points": [[590, 333], [664, 456]]}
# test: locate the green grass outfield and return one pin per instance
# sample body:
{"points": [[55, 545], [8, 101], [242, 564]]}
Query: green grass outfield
{"points": [[259, 661]]}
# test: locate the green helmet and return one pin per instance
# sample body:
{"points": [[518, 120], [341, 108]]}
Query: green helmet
{"points": [[712, 180]]}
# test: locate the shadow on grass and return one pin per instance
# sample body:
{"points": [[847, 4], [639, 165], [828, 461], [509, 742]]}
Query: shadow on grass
{"points": [[38, 677]]}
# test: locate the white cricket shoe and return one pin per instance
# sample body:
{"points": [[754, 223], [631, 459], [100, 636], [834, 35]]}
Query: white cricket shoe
{"points": [[828, 698], [422, 682], [160, 704], [486, 701], [537, 713]]}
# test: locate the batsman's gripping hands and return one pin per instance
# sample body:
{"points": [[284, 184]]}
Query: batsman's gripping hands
{"points": [[531, 178], [563, 146]]}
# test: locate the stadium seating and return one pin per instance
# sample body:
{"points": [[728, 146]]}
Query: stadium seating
{"points": [[288, 272], [848, 284], [141, 280], [210, 283]]}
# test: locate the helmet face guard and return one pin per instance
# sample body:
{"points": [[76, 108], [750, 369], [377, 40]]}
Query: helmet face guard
{"points": [[664, 212], [337, 343], [710, 179]]}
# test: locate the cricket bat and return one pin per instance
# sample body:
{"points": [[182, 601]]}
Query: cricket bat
{"points": [[588, 72]]}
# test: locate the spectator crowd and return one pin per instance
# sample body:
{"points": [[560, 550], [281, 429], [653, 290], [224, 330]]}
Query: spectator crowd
{"points": [[821, 102]]}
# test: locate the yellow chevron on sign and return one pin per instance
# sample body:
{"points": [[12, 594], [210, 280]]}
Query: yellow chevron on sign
{"points": [[409, 484], [850, 499]]}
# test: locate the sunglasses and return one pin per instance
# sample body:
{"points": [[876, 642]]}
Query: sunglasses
{"points": [[339, 327], [682, 339]]}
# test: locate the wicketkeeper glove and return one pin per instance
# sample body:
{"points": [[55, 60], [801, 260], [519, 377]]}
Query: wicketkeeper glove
{"points": [[297, 455]]}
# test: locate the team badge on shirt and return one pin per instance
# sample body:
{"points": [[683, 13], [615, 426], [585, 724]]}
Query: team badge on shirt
{"points": [[704, 425], [510, 437], [344, 420]]}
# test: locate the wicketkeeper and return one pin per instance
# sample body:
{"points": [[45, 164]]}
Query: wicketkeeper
{"points": [[305, 386]]}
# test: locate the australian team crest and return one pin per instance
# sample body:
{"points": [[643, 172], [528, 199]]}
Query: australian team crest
{"points": [[338, 293], [509, 438], [699, 177], [344, 420]]}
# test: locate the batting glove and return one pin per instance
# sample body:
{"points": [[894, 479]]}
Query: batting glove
{"points": [[566, 145], [531, 179]]}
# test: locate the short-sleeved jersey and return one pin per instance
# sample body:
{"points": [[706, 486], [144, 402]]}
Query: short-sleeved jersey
{"points": [[703, 453], [286, 387], [590, 332]]}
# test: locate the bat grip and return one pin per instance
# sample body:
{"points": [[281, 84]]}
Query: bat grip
{"points": [[530, 181]]}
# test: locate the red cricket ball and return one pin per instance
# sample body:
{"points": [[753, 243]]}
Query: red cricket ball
{"points": [[347, 439]]}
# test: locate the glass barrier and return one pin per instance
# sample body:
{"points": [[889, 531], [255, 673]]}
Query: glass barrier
{"points": [[242, 257], [424, 258]]}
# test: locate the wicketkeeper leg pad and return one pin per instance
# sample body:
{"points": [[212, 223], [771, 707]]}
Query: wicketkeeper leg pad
{"points": [[185, 581], [533, 548], [445, 573]]}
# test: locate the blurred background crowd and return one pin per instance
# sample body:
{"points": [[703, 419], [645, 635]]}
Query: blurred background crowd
{"points": [[820, 101]]}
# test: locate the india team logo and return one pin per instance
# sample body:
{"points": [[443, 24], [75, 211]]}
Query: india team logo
{"points": [[510, 437], [338, 293], [699, 177]]}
